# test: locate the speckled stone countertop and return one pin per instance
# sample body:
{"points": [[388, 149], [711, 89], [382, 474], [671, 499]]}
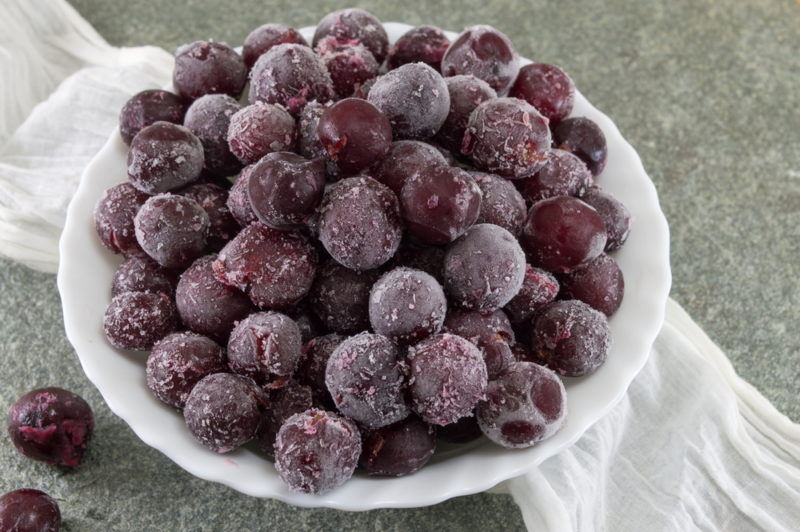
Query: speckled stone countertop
{"points": [[706, 90]]}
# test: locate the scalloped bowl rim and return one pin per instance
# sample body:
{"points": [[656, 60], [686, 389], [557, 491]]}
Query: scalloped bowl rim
{"points": [[86, 265]]}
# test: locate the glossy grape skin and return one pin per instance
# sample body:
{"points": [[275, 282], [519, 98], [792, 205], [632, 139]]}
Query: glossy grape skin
{"points": [[546, 87], [484, 268], [113, 218], [571, 338], [142, 274], [359, 223], [440, 204], [584, 138], [148, 107], [163, 157], [274, 268], [507, 137], [354, 25], [172, 230], [265, 345], [501, 203], [29, 510], [178, 362], [259, 129], [404, 159], [340, 297], [487, 54], [564, 174], [414, 98], [213, 199], [616, 217], [538, 289], [562, 233], [423, 44], [207, 306], [137, 320], [208, 67], [260, 40], [349, 65], [209, 118], [526, 405], [399, 449], [600, 284], [285, 189], [354, 134], [51, 425], [466, 93]]}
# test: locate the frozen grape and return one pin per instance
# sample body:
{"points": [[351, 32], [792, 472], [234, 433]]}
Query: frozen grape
{"points": [[51, 425], [398, 449], [239, 200], [308, 143], [137, 320], [486, 53], [29, 510], [366, 380], [316, 353], [546, 87], [265, 345], [599, 284], [209, 118], [340, 297], [213, 199], [473, 325], [285, 402], [113, 218], [563, 175], [353, 25], [146, 108], [538, 289], [466, 93], [404, 159], [142, 274], [259, 129], [178, 362], [584, 138], [354, 134], [172, 229], [260, 40], [423, 44], [164, 157], [501, 203], [497, 355], [349, 65], [615, 215], [208, 67]]}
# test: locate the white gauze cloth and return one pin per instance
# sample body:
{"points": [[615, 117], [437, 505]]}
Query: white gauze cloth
{"points": [[690, 447]]}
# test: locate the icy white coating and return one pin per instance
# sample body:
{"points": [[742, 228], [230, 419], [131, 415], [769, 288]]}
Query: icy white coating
{"points": [[538, 289], [136, 320], [209, 118], [208, 67], [501, 203], [265, 344], [316, 451], [113, 218], [407, 305], [487, 54], [466, 93], [564, 174], [414, 98], [365, 378], [357, 26], [485, 268], [142, 274], [238, 200], [172, 230], [224, 411], [259, 129], [349, 65], [163, 157], [213, 199], [525, 405]]}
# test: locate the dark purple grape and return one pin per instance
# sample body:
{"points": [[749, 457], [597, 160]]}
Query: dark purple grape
{"points": [[398, 449], [308, 143], [142, 274], [440, 204], [51, 425], [316, 451], [113, 218], [178, 362], [414, 98], [571, 338], [484, 268], [146, 108], [501, 203], [354, 134], [423, 44], [473, 325], [274, 268], [563, 175], [464, 430], [209, 118], [359, 223], [404, 159], [259, 129], [285, 402], [266, 36], [562, 234], [239, 200], [584, 138], [285, 189], [172, 229], [526, 405], [223, 411], [163, 157], [207, 306], [466, 93], [340, 297], [29, 510], [316, 353], [429, 259], [538, 289], [407, 305], [497, 355], [365, 377], [356, 26], [599, 284], [349, 65], [265, 345], [310, 327], [546, 87], [290, 75], [447, 378], [213, 199], [508, 137], [137, 320], [485, 53], [208, 67], [615, 215]]}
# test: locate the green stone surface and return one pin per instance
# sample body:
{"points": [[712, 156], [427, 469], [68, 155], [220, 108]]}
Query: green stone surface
{"points": [[707, 91]]}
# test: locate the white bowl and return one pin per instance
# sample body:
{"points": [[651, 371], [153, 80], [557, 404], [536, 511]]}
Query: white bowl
{"points": [[84, 281]]}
